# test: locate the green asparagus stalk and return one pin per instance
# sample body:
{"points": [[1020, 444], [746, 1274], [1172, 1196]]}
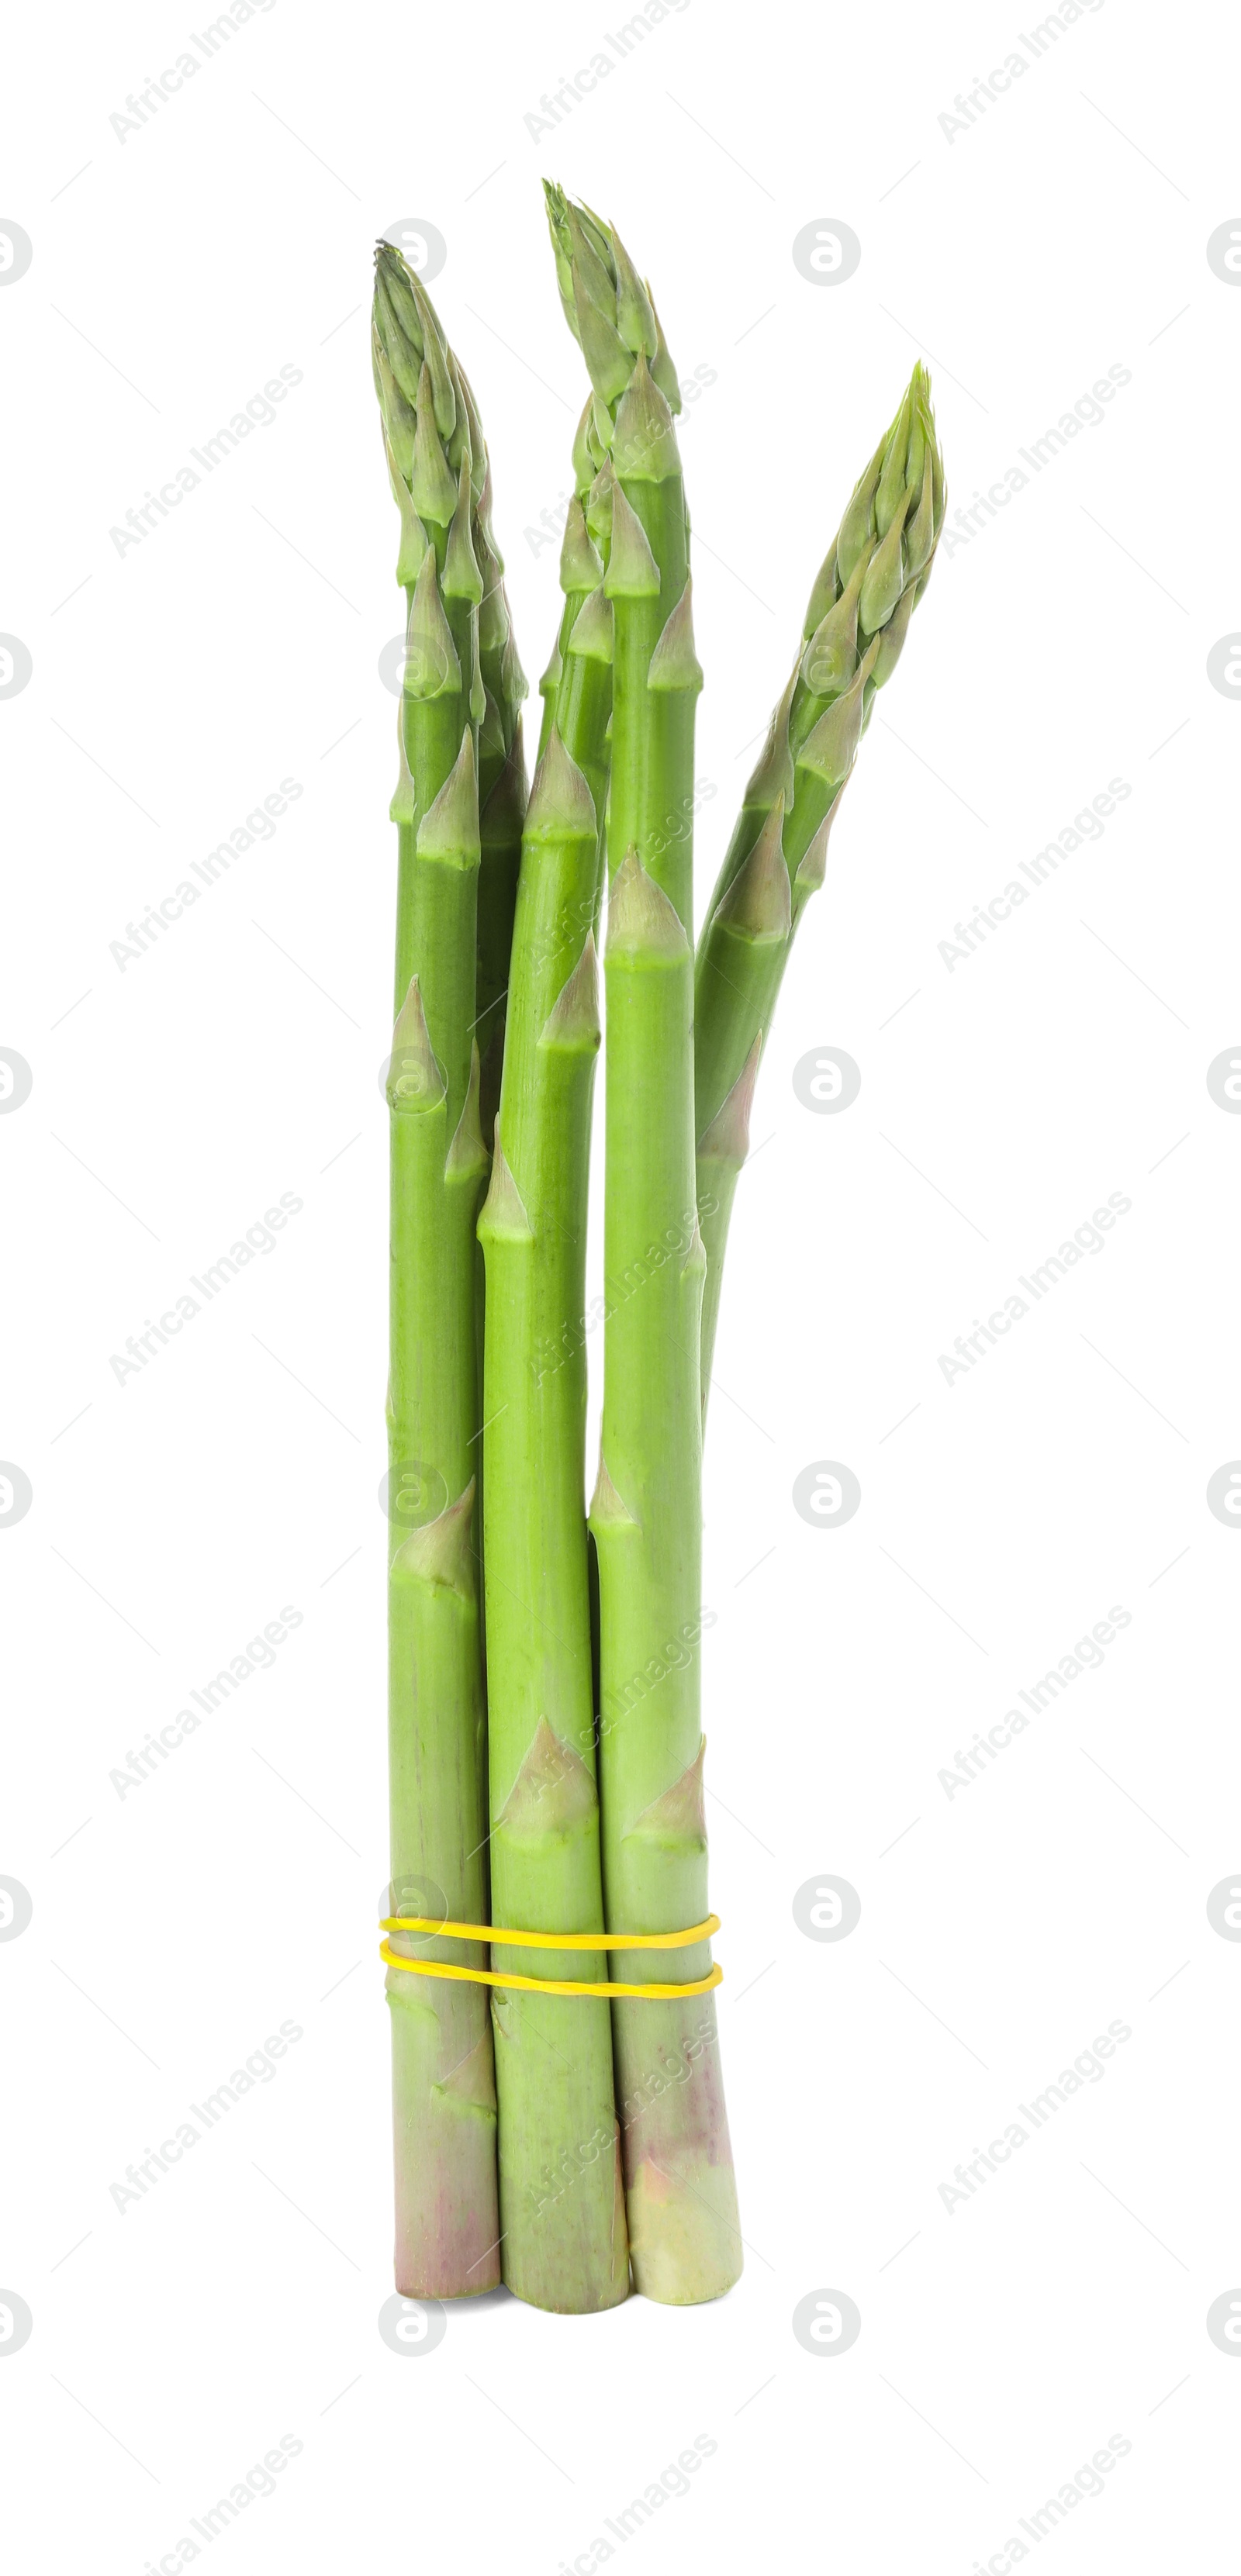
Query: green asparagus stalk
{"points": [[562, 2209], [453, 730], [646, 1511], [855, 629], [561, 2197], [443, 2083]]}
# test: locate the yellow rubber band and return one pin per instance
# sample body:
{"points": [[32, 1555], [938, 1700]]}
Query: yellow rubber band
{"points": [[552, 1940], [547, 1985], [549, 1941]]}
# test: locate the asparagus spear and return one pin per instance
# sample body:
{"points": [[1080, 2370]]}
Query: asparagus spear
{"points": [[562, 2209], [443, 2081], [561, 2198], [646, 1511], [855, 628]]}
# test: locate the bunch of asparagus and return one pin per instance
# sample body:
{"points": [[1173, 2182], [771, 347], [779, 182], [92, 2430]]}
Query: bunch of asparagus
{"points": [[552, 1784]]}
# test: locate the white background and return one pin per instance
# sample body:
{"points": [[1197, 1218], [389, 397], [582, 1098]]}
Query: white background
{"points": [[173, 687]]}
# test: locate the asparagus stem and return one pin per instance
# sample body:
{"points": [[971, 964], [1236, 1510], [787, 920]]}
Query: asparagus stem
{"points": [[561, 2201], [860, 607], [646, 1512], [443, 2083], [561, 2192], [447, 2226]]}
